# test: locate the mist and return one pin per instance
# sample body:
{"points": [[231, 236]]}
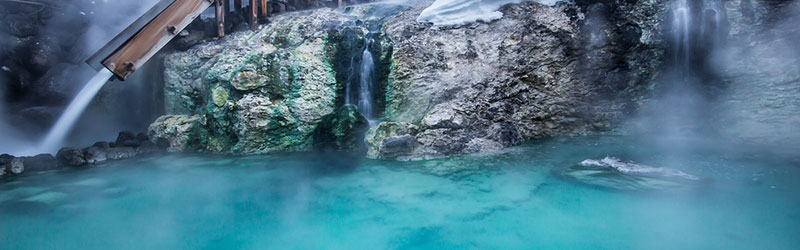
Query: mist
{"points": [[127, 106], [735, 90]]}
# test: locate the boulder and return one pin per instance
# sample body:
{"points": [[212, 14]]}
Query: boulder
{"points": [[399, 145], [102, 145], [41, 162], [162, 144], [146, 147], [120, 153], [95, 154], [181, 131], [15, 166], [343, 130], [70, 157], [126, 139], [142, 137]]}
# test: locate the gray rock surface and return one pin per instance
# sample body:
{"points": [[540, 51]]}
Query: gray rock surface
{"points": [[539, 71]]}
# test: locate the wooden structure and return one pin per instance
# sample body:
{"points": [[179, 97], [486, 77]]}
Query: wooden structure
{"points": [[139, 42]]}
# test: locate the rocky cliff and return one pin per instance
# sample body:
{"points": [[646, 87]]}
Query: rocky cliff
{"points": [[539, 71], [258, 92]]}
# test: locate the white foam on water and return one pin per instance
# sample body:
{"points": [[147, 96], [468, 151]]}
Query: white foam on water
{"points": [[67, 120]]}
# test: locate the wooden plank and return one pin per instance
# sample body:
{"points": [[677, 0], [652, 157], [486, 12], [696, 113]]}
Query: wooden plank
{"points": [[339, 3], [264, 8], [154, 36], [96, 60], [253, 15], [220, 12]]}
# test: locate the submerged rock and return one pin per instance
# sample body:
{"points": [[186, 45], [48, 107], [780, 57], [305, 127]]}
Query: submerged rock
{"points": [[343, 130], [631, 168], [613, 173]]}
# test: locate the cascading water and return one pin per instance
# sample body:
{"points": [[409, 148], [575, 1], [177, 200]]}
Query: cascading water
{"points": [[67, 120], [697, 29], [366, 84]]}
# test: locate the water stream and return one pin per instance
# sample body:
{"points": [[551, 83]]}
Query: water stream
{"points": [[366, 84], [59, 131]]}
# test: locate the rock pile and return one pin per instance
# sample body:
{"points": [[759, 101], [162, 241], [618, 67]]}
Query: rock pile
{"points": [[127, 145]]}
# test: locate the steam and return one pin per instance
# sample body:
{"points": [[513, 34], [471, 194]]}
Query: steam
{"points": [[104, 19], [731, 82]]}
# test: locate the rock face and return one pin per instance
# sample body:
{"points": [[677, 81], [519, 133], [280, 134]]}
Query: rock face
{"points": [[257, 92], [539, 71], [342, 131], [758, 103]]}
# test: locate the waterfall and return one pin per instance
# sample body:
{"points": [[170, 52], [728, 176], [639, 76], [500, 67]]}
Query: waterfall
{"points": [[366, 84], [697, 29], [67, 120]]}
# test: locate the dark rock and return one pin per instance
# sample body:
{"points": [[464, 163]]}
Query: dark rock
{"points": [[126, 139], [102, 144], [162, 143], [146, 147], [142, 137], [41, 162], [120, 153], [342, 131], [194, 37], [95, 154], [44, 115], [20, 25], [70, 157], [6, 158], [15, 166], [397, 146]]}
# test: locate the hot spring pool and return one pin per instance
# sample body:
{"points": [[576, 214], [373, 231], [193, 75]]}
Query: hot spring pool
{"points": [[516, 199]]}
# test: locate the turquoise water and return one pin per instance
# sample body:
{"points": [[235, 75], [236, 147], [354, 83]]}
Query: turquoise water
{"points": [[517, 199]]}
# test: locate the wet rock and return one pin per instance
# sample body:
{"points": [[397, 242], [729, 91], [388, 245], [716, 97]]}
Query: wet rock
{"points": [[181, 131], [395, 146], [126, 139], [142, 137], [95, 154], [70, 157], [476, 87], [16, 166], [120, 153], [385, 130], [267, 96], [162, 144], [41, 162], [343, 130], [102, 145], [146, 147]]}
